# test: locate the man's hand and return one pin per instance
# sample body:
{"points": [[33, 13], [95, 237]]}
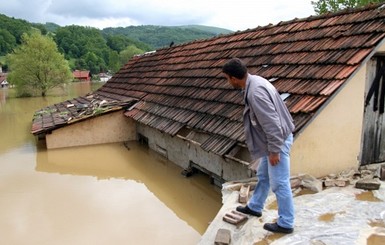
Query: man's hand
{"points": [[274, 158]]}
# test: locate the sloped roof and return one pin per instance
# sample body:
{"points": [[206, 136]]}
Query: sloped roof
{"points": [[81, 74], [75, 110], [309, 58]]}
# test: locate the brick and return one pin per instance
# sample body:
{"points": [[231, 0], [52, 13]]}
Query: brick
{"points": [[368, 184], [244, 194], [341, 182], [234, 217], [223, 237], [329, 183]]}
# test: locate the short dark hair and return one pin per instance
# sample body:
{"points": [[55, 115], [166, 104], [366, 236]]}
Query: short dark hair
{"points": [[235, 68]]}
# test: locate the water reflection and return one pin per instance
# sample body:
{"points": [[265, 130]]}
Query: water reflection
{"points": [[100, 194], [192, 199]]}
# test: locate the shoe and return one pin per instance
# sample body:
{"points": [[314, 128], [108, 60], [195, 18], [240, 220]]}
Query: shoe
{"points": [[274, 227], [247, 210]]}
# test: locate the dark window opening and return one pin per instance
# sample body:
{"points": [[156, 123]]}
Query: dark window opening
{"points": [[184, 132], [142, 139], [195, 169]]}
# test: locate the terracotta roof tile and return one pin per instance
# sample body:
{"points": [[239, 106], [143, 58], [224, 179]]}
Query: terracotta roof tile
{"points": [[183, 86], [75, 110]]}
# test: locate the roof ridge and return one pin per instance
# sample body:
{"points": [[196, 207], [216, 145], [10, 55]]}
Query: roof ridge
{"points": [[328, 15]]}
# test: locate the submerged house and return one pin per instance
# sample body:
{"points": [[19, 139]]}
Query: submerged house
{"points": [[3, 80], [81, 75], [329, 70]]}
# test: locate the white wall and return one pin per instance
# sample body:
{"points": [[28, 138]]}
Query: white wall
{"points": [[331, 143]]}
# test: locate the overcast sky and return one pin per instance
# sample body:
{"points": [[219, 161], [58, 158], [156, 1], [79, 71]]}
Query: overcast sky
{"points": [[234, 15]]}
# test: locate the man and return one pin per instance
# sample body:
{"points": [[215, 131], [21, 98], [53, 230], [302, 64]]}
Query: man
{"points": [[268, 130]]}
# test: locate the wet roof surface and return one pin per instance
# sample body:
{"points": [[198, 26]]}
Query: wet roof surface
{"points": [[75, 110], [183, 86]]}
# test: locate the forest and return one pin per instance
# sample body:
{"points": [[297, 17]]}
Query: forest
{"points": [[106, 50]]}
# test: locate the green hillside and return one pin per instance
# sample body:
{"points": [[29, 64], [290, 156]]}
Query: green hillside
{"points": [[101, 50], [162, 36]]}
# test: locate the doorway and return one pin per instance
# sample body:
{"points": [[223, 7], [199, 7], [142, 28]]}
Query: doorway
{"points": [[373, 148]]}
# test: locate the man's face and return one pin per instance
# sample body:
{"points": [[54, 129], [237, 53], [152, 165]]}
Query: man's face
{"points": [[233, 81]]}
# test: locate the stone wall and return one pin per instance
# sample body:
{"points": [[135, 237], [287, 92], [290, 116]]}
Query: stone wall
{"points": [[188, 153]]}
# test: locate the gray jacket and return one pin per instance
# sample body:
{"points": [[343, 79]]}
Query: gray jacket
{"points": [[266, 118]]}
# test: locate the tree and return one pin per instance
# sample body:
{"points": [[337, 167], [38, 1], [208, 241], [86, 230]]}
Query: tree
{"points": [[36, 66], [325, 6], [15, 26], [84, 44], [94, 63], [7, 42], [128, 53], [113, 61]]}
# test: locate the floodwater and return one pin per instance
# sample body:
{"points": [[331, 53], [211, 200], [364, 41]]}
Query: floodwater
{"points": [[102, 194]]}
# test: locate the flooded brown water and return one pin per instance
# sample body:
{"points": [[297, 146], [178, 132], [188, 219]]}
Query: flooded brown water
{"points": [[100, 194]]}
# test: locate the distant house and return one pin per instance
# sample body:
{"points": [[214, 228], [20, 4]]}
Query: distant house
{"points": [[330, 69], [3, 80], [82, 75], [104, 77]]}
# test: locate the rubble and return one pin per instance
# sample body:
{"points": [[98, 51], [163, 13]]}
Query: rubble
{"points": [[368, 184], [223, 237], [367, 178], [355, 199], [244, 193]]}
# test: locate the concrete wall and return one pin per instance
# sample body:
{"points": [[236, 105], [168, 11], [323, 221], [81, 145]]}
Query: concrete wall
{"points": [[108, 128], [331, 143], [382, 48], [184, 152]]}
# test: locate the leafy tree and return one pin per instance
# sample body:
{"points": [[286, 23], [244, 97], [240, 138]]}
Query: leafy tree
{"points": [[40, 27], [100, 50], [156, 37], [119, 42], [15, 26], [80, 64], [51, 27], [128, 53], [113, 61], [94, 63], [7, 42], [84, 44], [325, 6], [36, 66]]}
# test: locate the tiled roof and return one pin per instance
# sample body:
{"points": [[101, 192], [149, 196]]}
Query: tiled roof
{"points": [[81, 74], [309, 58], [75, 110]]}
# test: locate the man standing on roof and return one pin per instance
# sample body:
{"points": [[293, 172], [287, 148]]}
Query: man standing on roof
{"points": [[268, 130]]}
